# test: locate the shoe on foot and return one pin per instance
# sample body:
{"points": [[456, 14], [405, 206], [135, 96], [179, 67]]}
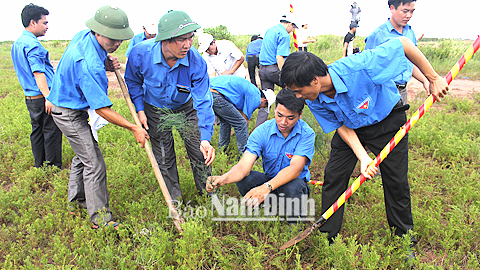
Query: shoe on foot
{"points": [[111, 223]]}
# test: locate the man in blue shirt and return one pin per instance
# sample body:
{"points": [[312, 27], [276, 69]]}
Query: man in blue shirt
{"points": [[35, 74], [357, 96], [149, 31], [176, 81], [253, 52], [234, 101], [81, 83], [397, 26], [275, 48], [286, 145]]}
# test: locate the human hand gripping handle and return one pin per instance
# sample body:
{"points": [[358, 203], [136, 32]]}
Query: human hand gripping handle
{"points": [[112, 63]]}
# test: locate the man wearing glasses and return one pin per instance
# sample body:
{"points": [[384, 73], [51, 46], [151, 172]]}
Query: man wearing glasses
{"points": [[169, 77]]}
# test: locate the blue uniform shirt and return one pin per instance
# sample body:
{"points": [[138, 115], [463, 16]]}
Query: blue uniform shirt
{"points": [[239, 91], [277, 151], [365, 90], [254, 47], [29, 56], [80, 81], [275, 42], [136, 39], [147, 69], [386, 32]]}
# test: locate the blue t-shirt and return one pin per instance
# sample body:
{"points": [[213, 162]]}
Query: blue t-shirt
{"points": [[365, 90], [151, 79], [267, 141], [386, 32], [239, 91], [80, 81], [275, 42], [29, 56], [254, 47], [136, 39]]}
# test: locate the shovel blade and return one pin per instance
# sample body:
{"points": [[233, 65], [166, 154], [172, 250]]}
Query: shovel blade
{"points": [[299, 237]]}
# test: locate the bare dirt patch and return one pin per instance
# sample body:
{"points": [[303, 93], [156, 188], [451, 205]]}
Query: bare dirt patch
{"points": [[461, 88], [458, 88]]}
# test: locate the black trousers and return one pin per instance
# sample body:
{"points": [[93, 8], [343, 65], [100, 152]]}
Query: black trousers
{"points": [[394, 170], [252, 63], [46, 138], [163, 147]]}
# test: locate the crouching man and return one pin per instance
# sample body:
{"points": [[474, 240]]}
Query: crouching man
{"points": [[234, 101], [286, 146]]}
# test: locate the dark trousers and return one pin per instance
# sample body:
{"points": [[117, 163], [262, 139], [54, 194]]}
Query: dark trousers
{"points": [[394, 170], [293, 189], [46, 138], [252, 63], [163, 146], [269, 76], [302, 48]]}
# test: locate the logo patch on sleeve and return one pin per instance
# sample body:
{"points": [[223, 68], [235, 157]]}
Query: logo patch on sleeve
{"points": [[289, 155], [364, 104]]}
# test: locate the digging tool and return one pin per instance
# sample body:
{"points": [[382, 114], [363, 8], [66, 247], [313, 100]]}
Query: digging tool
{"points": [[386, 150], [177, 220]]}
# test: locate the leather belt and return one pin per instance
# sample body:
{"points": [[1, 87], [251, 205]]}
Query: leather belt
{"points": [[34, 97]]}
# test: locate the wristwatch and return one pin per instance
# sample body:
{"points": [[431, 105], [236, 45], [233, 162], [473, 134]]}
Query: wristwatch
{"points": [[268, 186]]}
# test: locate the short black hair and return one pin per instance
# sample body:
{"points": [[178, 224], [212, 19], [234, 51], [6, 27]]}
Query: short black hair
{"points": [[301, 68], [288, 99], [32, 12], [254, 37], [397, 3]]}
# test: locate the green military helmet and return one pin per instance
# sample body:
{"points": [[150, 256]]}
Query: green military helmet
{"points": [[111, 22], [174, 24]]}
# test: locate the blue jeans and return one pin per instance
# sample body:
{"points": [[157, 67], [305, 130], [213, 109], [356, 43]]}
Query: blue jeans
{"points": [[293, 189], [230, 117]]}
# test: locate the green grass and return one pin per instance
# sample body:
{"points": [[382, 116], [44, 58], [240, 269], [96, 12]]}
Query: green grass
{"points": [[37, 232]]}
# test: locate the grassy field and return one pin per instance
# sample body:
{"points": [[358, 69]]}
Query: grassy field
{"points": [[37, 231]]}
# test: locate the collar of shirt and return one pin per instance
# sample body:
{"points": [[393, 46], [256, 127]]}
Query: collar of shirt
{"points": [[28, 33], [275, 131], [282, 28], [391, 28], [100, 50], [338, 85], [158, 57]]}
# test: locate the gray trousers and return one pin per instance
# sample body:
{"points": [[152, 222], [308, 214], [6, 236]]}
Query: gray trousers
{"points": [[163, 146], [88, 174]]}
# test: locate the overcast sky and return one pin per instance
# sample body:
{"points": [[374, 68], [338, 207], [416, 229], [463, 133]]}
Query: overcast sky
{"points": [[441, 19]]}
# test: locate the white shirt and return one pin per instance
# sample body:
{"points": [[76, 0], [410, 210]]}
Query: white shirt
{"points": [[228, 54], [301, 36]]}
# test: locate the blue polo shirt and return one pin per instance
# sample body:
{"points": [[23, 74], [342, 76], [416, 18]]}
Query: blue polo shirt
{"points": [[276, 151], [29, 56], [275, 42], [80, 81], [254, 47], [136, 39], [239, 91], [386, 32], [365, 90], [147, 69]]}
